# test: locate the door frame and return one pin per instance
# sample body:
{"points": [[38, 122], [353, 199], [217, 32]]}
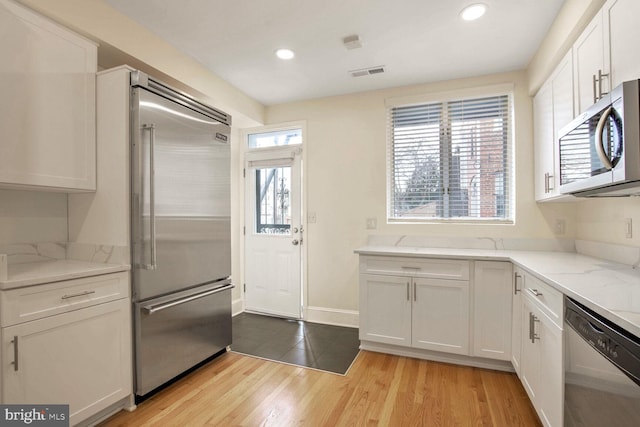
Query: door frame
{"points": [[244, 149]]}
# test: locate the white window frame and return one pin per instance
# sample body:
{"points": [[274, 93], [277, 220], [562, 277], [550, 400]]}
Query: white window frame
{"points": [[444, 97]]}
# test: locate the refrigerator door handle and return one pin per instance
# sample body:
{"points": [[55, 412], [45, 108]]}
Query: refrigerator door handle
{"points": [[152, 197], [150, 308]]}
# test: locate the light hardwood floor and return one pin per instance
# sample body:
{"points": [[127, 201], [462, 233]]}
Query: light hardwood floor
{"points": [[378, 390]]}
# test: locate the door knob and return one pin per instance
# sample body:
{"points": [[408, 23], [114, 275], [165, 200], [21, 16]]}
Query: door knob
{"points": [[295, 242]]}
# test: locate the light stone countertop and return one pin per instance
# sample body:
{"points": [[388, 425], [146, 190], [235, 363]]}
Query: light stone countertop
{"points": [[35, 273], [610, 289]]}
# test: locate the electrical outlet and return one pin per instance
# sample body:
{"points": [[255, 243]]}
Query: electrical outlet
{"points": [[560, 227], [372, 223], [311, 218], [628, 228]]}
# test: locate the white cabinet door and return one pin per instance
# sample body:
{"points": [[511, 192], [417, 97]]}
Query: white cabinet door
{"points": [[623, 34], [441, 315], [551, 371], [47, 108], [588, 57], [516, 316], [530, 359], [543, 141], [81, 358], [542, 364], [563, 112], [492, 290], [385, 309]]}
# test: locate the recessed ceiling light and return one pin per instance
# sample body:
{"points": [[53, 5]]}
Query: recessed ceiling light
{"points": [[473, 12], [285, 53]]}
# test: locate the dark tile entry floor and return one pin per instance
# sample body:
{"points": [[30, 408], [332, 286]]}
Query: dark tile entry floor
{"points": [[324, 347]]}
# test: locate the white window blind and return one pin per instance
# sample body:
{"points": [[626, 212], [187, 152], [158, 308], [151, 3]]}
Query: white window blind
{"points": [[451, 160]]}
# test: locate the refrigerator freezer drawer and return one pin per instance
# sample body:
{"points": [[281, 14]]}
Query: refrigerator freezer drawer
{"points": [[177, 331]]}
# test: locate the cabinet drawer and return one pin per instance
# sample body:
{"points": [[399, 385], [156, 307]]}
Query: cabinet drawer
{"points": [[432, 268], [548, 298], [35, 302]]}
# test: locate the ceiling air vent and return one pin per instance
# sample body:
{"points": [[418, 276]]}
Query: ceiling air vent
{"points": [[367, 71]]}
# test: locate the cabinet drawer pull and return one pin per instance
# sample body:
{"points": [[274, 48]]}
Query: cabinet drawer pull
{"points": [[535, 292], [410, 268], [81, 294], [408, 296], [14, 341], [595, 92]]}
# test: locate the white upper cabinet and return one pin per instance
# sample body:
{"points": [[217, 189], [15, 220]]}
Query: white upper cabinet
{"points": [[591, 71], [47, 104], [552, 109], [622, 34], [604, 55]]}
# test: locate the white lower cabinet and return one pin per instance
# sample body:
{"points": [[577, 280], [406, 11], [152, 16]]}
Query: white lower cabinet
{"points": [[440, 315], [81, 357], [385, 309], [416, 303], [541, 369], [516, 318], [413, 312], [492, 287]]}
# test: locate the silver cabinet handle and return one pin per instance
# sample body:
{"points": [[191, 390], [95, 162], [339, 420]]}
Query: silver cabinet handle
{"points": [[595, 93], [535, 292], [516, 276], [600, 76], [549, 182], [408, 292], [532, 327], [415, 291], [152, 196], [295, 242], [150, 309], [81, 294], [546, 182], [598, 141], [14, 341]]}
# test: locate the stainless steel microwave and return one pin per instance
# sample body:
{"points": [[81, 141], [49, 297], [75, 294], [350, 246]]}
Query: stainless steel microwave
{"points": [[600, 149]]}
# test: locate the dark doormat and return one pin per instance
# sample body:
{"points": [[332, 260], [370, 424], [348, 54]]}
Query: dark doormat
{"points": [[312, 345]]}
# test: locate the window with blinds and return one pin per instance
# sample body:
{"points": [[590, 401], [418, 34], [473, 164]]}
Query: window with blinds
{"points": [[451, 160]]}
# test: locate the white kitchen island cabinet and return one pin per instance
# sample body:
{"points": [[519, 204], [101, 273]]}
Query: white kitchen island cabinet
{"points": [[47, 107], [69, 343]]}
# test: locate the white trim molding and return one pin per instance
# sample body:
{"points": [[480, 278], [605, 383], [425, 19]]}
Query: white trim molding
{"points": [[332, 316]]}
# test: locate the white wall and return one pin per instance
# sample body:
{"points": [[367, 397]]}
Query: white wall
{"points": [[346, 183], [32, 217]]}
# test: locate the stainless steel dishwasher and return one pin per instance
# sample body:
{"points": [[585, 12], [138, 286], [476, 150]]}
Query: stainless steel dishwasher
{"points": [[602, 371]]}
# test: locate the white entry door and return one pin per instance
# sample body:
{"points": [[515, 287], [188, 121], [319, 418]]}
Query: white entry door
{"points": [[273, 232]]}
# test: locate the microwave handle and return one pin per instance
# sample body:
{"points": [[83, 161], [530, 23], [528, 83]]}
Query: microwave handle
{"points": [[599, 143]]}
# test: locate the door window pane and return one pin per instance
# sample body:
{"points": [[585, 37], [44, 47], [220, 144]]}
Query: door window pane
{"points": [[273, 200]]}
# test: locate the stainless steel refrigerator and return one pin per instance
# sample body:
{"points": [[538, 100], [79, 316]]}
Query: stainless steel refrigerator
{"points": [[180, 228]]}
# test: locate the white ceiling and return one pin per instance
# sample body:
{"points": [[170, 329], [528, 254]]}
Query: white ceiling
{"points": [[418, 41]]}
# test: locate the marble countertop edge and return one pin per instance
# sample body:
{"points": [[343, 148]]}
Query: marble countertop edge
{"points": [[610, 289]]}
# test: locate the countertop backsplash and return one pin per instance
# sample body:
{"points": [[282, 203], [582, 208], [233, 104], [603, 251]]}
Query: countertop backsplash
{"points": [[20, 253]]}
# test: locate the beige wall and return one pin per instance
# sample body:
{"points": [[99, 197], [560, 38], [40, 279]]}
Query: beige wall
{"points": [[32, 217], [345, 174]]}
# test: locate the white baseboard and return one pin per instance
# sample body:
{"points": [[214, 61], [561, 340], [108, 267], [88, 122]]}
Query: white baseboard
{"points": [[237, 306], [456, 359], [332, 316]]}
